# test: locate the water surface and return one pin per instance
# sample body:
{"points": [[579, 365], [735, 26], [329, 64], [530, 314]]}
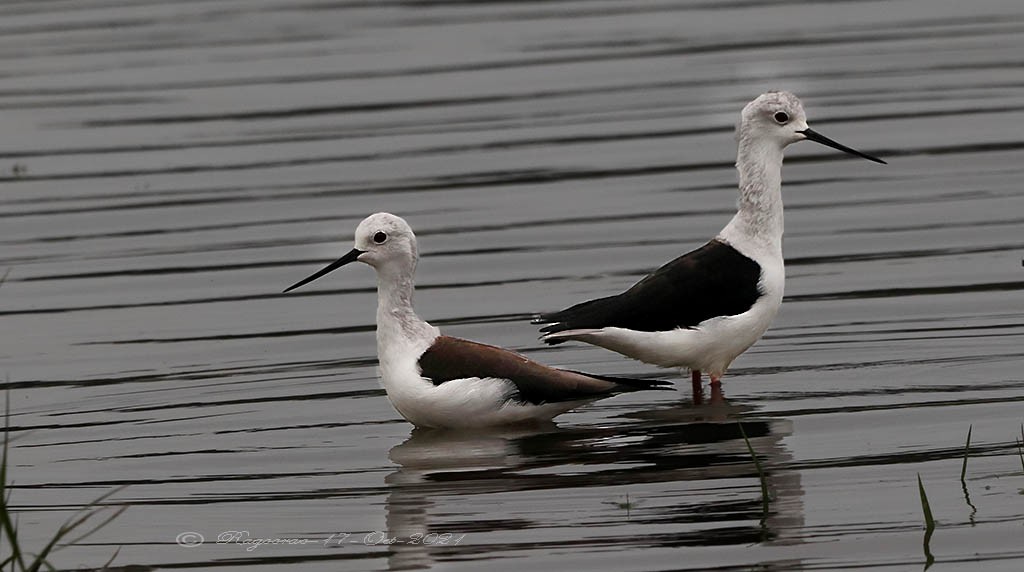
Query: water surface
{"points": [[166, 168]]}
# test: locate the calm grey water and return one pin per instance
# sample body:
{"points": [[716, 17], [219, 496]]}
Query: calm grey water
{"points": [[168, 167]]}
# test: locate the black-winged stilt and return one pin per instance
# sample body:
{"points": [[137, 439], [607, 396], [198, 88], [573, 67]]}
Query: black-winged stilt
{"points": [[703, 309], [439, 381]]}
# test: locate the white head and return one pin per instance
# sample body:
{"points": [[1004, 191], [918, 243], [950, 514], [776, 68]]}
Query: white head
{"points": [[778, 117], [384, 241]]}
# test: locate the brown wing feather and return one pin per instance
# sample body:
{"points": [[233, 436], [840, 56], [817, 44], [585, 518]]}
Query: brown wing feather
{"points": [[453, 358]]}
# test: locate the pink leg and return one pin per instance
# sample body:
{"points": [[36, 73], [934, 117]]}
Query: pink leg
{"points": [[698, 393], [716, 389]]}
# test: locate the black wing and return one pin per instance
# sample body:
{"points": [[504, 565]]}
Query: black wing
{"points": [[454, 358], [714, 280]]}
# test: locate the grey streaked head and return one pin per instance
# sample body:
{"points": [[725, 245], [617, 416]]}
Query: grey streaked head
{"points": [[382, 240], [779, 116], [385, 238]]}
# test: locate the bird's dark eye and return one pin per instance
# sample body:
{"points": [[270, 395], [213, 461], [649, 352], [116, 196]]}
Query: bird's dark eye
{"points": [[380, 237], [781, 117]]}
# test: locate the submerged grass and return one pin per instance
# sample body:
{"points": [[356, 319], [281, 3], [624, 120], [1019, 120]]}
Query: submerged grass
{"points": [[963, 477], [1020, 451], [20, 558], [967, 452], [627, 506], [760, 474]]}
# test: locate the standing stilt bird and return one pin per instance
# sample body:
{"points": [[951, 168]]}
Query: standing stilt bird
{"points": [[703, 309]]}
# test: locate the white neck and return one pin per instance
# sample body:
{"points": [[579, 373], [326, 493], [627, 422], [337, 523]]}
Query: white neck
{"points": [[398, 326], [758, 217], [402, 337]]}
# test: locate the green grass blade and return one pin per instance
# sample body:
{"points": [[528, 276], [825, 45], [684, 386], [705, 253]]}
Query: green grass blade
{"points": [[963, 476], [73, 523], [929, 523], [114, 514], [1019, 450], [1020, 453], [929, 558], [7, 437], [40, 559], [38, 563], [967, 452], [760, 472], [6, 523], [8, 527], [111, 561], [64, 530]]}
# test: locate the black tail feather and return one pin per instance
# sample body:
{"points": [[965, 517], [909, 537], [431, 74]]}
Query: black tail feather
{"points": [[629, 383], [589, 314], [548, 320], [552, 325]]}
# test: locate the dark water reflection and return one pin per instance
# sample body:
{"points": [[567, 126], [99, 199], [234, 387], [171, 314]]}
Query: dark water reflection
{"points": [[669, 445]]}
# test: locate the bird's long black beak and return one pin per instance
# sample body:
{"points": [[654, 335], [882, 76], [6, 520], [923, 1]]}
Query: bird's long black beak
{"points": [[813, 135], [350, 257]]}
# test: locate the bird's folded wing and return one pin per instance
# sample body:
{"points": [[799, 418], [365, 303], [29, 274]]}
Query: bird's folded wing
{"points": [[451, 358], [714, 280]]}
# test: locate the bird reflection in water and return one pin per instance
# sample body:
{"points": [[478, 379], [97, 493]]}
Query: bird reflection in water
{"points": [[443, 481]]}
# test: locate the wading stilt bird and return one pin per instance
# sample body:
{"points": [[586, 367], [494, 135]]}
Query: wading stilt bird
{"points": [[439, 381], [703, 309]]}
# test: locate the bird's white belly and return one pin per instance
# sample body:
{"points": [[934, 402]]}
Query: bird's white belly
{"points": [[461, 403], [710, 346]]}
